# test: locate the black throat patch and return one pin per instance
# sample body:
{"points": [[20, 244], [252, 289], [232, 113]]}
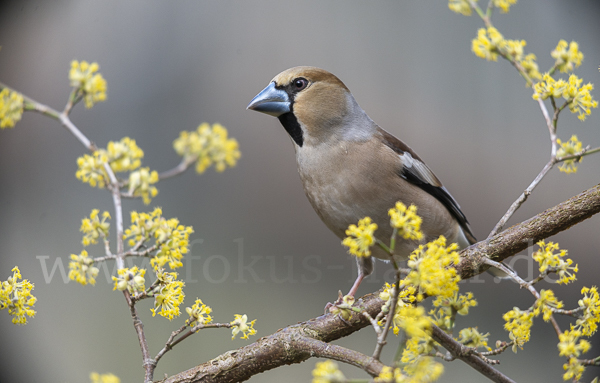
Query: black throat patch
{"points": [[291, 125]]}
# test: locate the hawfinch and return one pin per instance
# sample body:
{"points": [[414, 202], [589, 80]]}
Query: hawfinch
{"points": [[351, 168]]}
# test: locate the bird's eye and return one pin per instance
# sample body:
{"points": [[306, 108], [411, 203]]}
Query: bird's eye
{"points": [[300, 83]]}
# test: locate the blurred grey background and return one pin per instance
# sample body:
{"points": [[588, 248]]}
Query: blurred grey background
{"points": [[259, 247]]}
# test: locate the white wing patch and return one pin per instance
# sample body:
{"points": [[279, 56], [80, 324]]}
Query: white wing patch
{"points": [[419, 169]]}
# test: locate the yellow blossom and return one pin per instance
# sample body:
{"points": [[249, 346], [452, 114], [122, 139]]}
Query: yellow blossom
{"points": [[140, 184], [518, 324], [171, 238], [574, 369], [173, 241], [573, 146], [240, 324], [590, 316], [360, 238], [514, 48], [91, 169], [424, 370], [168, 295], [567, 59], [486, 44], [327, 372], [124, 155], [406, 221], [199, 313], [11, 108], [343, 309], [578, 97], [531, 67], [431, 269], [504, 5], [406, 294], [546, 303], [93, 228], [417, 347], [550, 261], [448, 307], [17, 298], [130, 279], [104, 378], [207, 146], [143, 226], [82, 269], [84, 78], [568, 345], [471, 337], [460, 6], [413, 320]]}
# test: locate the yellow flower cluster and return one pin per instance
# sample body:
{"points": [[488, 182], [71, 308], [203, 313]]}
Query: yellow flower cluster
{"points": [[531, 67], [11, 108], [431, 271], [327, 372], [16, 297], [84, 78], [240, 324], [460, 6], [174, 243], [489, 43], [518, 324], [424, 370], [590, 303], [553, 262], [140, 184], [448, 307], [122, 156], [207, 146], [171, 238], [82, 269], [546, 302], [504, 5], [343, 309], [406, 221], [567, 59], [578, 97], [131, 280], [168, 295], [569, 347], [199, 313], [413, 320], [93, 228], [90, 169], [471, 337], [360, 238], [104, 378], [573, 146]]}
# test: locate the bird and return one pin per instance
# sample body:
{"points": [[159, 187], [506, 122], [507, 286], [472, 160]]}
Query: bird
{"points": [[351, 168]]}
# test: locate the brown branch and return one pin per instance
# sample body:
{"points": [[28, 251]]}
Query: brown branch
{"points": [[297, 343], [460, 351], [520, 236], [293, 344]]}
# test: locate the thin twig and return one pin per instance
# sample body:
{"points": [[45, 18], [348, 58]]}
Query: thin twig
{"points": [[182, 167]]}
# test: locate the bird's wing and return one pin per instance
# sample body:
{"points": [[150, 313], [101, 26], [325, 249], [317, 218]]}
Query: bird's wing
{"points": [[416, 172]]}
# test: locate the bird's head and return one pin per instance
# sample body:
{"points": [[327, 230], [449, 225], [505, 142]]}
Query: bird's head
{"points": [[313, 105]]}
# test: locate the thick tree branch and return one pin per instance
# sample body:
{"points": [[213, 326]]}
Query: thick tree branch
{"points": [[293, 344], [297, 343], [522, 235]]}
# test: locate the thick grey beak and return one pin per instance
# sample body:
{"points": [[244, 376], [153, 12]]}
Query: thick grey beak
{"points": [[271, 101]]}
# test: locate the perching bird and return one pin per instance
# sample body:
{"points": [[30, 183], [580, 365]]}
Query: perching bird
{"points": [[351, 168]]}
